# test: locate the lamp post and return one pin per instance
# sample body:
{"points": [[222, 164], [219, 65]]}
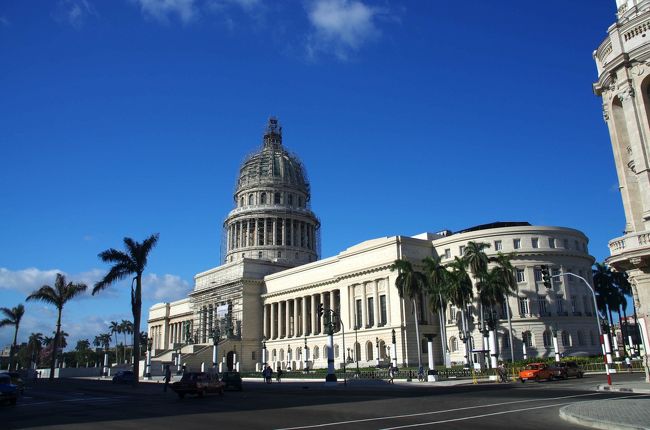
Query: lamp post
{"points": [[306, 355], [149, 346], [263, 353], [377, 347], [604, 340], [288, 357], [393, 350], [462, 335], [329, 328], [178, 360], [356, 348]]}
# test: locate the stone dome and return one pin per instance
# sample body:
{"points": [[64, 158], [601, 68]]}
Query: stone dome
{"points": [[273, 165]]}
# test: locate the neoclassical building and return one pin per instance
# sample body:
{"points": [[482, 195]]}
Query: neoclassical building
{"points": [[623, 63], [265, 296]]}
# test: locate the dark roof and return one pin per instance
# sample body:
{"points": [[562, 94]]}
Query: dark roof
{"points": [[496, 224]]}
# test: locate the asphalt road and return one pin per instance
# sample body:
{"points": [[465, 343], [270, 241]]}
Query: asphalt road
{"points": [[91, 404]]}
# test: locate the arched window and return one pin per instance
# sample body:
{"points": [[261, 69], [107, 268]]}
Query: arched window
{"points": [[336, 351], [241, 201], [290, 199], [315, 354], [369, 349], [566, 338], [581, 338], [299, 201], [453, 342], [299, 353], [382, 350], [357, 352], [548, 338], [282, 355], [325, 351], [251, 200], [505, 339], [274, 354], [263, 198], [276, 198]]}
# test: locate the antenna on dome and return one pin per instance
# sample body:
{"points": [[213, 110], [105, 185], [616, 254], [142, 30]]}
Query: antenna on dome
{"points": [[273, 133]]}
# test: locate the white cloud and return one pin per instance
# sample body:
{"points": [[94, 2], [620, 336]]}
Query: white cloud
{"points": [[73, 12], [341, 26], [161, 10], [29, 280], [164, 288]]}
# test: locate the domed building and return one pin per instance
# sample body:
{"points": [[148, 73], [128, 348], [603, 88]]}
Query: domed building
{"points": [[261, 305]]}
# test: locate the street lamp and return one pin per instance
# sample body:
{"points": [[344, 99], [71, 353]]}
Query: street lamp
{"points": [[288, 357], [377, 346], [149, 346], [356, 348], [393, 350], [603, 339], [462, 335], [306, 355], [216, 337], [555, 344], [263, 353]]}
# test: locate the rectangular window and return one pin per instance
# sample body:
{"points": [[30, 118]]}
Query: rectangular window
{"points": [[574, 304], [359, 321], [577, 245], [566, 243], [498, 246], [382, 310], [461, 250], [560, 304], [523, 306], [253, 355], [535, 242], [586, 305], [556, 280], [551, 242], [521, 276], [541, 303], [538, 274], [371, 311], [516, 243], [447, 253]]}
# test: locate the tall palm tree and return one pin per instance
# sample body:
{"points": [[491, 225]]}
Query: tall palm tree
{"points": [[115, 328], [58, 296], [410, 284], [478, 261], [509, 281], [460, 293], [13, 317], [131, 262], [438, 280]]}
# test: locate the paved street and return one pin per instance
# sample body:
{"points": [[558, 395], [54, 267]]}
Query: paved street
{"points": [[86, 404]]}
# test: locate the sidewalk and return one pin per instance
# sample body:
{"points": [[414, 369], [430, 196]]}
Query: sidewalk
{"points": [[613, 414]]}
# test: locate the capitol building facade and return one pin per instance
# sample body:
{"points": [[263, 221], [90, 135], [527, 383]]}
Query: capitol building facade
{"points": [[261, 304]]}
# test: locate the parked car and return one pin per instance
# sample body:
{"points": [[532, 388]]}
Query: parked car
{"points": [[8, 391], [565, 369], [124, 377], [232, 380], [535, 372], [17, 380], [198, 383]]}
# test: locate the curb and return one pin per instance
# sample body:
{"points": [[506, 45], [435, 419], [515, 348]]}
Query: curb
{"points": [[589, 422], [604, 387]]}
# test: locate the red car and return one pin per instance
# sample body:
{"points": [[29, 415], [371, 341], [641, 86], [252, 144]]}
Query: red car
{"points": [[535, 372]]}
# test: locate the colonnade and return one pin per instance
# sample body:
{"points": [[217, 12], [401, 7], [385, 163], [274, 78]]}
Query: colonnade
{"points": [[298, 316], [271, 231], [177, 332]]}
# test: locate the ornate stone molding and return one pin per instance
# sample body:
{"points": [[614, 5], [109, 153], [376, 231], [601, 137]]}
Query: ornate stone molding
{"points": [[626, 94], [605, 113]]}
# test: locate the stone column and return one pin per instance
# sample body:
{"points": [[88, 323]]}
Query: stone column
{"points": [[265, 332], [314, 315], [376, 303], [296, 325], [266, 238], [322, 320], [272, 322], [364, 304], [287, 317], [284, 231], [304, 316]]}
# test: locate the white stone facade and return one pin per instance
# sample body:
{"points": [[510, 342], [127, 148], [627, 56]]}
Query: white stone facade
{"points": [[623, 64]]}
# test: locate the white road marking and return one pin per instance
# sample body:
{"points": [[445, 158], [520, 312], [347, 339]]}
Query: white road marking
{"points": [[437, 412], [87, 399], [490, 414]]}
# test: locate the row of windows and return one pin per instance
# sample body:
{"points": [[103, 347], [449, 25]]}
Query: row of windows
{"points": [[565, 338], [517, 244], [543, 308], [353, 353], [276, 198], [370, 314]]}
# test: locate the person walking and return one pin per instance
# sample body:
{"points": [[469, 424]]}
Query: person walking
{"points": [[502, 372], [268, 374], [391, 375], [167, 378], [278, 376]]}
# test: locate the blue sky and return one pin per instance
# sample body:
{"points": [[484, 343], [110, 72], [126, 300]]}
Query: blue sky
{"points": [[128, 117]]}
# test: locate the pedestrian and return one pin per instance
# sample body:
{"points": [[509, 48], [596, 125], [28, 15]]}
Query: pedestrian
{"points": [[168, 377], [391, 375], [268, 373], [421, 374], [501, 371], [278, 376], [628, 363]]}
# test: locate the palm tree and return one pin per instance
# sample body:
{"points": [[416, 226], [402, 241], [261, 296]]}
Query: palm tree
{"points": [[34, 345], [460, 293], [13, 317], [477, 261], [509, 281], [131, 262], [57, 296], [438, 280], [127, 328], [82, 345], [410, 284], [115, 328]]}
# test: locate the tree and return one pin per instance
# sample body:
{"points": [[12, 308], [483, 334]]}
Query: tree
{"points": [[82, 345], [13, 317], [509, 281], [437, 291], [115, 328], [126, 328], [58, 296], [460, 293], [125, 264], [34, 346], [410, 284]]}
